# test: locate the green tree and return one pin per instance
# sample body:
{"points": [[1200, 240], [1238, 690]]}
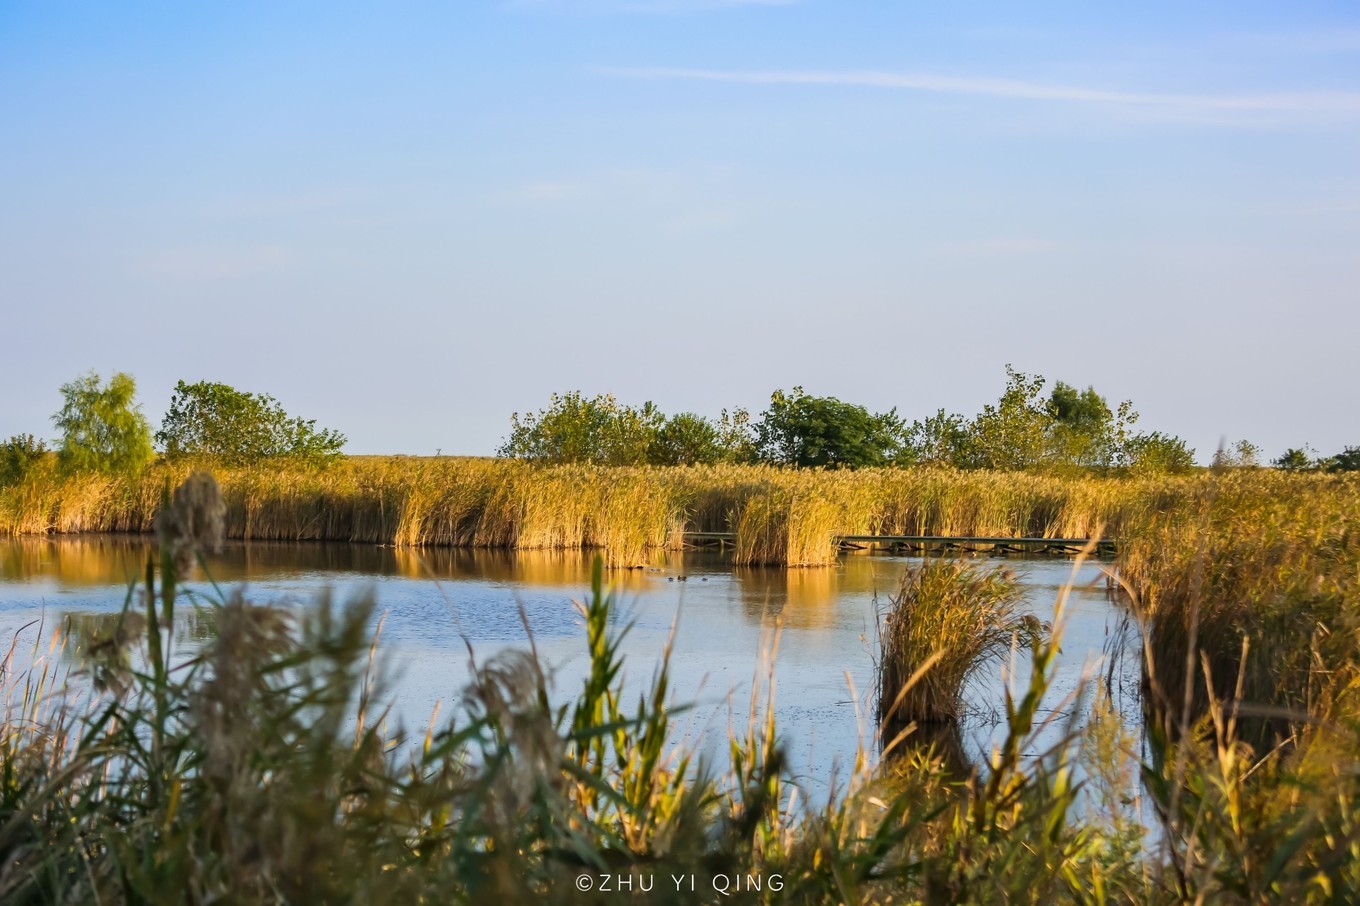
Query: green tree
{"points": [[737, 436], [19, 456], [1295, 459], [1015, 432], [1157, 454], [687, 439], [803, 430], [210, 419], [103, 428], [1086, 431], [575, 429], [1026, 429], [1240, 455], [1348, 460], [942, 439]]}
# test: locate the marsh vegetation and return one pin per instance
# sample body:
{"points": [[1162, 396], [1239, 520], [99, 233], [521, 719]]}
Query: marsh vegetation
{"points": [[260, 766]]}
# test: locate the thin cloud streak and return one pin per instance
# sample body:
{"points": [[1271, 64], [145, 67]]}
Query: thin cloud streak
{"points": [[644, 6], [1334, 42], [205, 263], [671, 6], [991, 248], [544, 191], [1326, 102]]}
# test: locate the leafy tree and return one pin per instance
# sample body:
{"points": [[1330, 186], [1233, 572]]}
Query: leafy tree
{"points": [[1348, 460], [103, 428], [210, 419], [1085, 431], [1295, 459], [1241, 455], [1157, 454], [1014, 433], [575, 429], [600, 430], [736, 434], [686, 439], [1081, 410], [1026, 429], [803, 430], [18, 456], [942, 439]]}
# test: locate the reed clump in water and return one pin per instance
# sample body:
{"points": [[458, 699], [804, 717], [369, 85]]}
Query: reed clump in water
{"points": [[948, 618], [787, 526]]}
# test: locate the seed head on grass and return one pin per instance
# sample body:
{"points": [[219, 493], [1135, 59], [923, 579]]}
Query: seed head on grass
{"points": [[193, 522]]}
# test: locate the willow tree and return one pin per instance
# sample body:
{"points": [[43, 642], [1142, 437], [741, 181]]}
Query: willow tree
{"points": [[102, 426]]}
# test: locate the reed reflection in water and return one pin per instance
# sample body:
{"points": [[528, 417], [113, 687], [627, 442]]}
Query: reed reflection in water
{"points": [[437, 602]]}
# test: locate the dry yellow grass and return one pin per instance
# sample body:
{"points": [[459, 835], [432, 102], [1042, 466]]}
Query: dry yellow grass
{"points": [[948, 618], [1271, 558], [782, 517]]}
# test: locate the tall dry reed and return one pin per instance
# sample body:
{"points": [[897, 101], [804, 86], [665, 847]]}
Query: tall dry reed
{"points": [[779, 516], [948, 619]]}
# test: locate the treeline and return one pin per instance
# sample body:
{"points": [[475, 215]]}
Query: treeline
{"points": [[1031, 427], [1028, 427], [104, 430], [1306, 459]]}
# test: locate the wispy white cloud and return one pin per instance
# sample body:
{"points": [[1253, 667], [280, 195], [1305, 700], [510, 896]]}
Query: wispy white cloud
{"points": [[643, 6], [637, 184], [704, 218], [1339, 41], [686, 200], [1181, 105], [998, 247], [686, 5], [288, 204], [199, 263], [546, 191]]}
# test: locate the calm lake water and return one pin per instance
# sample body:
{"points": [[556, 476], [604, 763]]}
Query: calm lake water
{"points": [[437, 602]]}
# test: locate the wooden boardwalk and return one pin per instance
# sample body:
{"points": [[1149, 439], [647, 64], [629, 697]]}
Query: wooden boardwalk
{"points": [[931, 543]]}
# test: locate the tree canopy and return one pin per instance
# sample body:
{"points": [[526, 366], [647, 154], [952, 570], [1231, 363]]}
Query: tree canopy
{"points": [[102, 426], [211, 419], [601, 430], [1028, 427], [1306, 459], [19, 456], [687, 439], [575, 429], [1348, 460], [821, 431]]}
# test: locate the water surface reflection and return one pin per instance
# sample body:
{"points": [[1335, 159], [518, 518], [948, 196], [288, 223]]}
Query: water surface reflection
{"points": [[437, 603]]}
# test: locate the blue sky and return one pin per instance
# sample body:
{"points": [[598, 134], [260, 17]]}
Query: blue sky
{"points": [[410, 220]]}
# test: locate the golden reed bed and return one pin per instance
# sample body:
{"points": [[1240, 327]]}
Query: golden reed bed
{"points": [[780, 517]]}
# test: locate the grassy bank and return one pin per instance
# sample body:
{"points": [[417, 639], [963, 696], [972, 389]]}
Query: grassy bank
{"points": [[782, 517]]}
